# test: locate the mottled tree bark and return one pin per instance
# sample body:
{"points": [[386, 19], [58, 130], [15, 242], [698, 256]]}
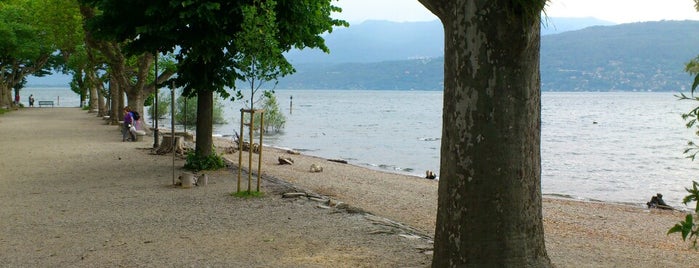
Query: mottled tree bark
{"points": [[116, 110], [489, 205], [205, 119]]}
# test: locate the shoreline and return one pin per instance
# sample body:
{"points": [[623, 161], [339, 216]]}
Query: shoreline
{"points": [[640, 205]]}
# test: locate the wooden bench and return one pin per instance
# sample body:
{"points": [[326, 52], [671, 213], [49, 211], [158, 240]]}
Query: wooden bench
{"points": [[47, 103]]}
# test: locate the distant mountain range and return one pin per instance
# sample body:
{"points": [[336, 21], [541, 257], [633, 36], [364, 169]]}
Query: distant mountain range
{"points": [[581, 54], [647, 56], [377, 41]]}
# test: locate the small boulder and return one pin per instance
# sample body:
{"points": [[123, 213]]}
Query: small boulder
{"points": [[316, 168]]}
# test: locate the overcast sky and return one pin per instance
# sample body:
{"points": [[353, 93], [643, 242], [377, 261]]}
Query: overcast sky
{"points": [[619, 11]]}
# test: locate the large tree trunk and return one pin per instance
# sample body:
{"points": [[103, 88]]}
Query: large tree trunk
{"points": [[489, 204], [205, 115]]}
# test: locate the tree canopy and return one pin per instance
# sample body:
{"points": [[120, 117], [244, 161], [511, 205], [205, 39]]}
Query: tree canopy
{"points": [[33, 31], [202, 35]]}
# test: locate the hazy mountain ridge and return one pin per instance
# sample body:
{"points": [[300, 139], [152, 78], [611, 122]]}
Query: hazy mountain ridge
{"points": [[647, 56], [376, 41]]}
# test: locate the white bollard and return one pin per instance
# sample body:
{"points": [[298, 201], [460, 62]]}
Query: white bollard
{"points": [[187, 179], [203, 180]]}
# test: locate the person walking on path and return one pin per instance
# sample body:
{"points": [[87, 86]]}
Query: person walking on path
{"points": [[31, 100], [128, 122]]}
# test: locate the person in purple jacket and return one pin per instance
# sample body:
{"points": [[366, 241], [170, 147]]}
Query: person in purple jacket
{"points": [[128, 121]]}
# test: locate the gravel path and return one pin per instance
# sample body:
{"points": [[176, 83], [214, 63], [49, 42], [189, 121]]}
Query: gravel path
{"points": [[74, 195]]}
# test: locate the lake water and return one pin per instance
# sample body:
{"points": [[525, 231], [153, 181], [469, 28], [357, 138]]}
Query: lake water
{"points": [[61, 96], [615, 147]]}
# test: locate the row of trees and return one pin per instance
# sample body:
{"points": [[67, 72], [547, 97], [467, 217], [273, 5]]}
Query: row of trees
{"points": [[37, 36], [209, 45]]}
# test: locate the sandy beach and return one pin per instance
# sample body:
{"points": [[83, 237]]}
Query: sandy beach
{"points": [[75, 195]]}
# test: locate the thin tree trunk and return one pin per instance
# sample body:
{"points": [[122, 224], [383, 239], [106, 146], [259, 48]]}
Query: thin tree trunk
{"points": [[115, 111], [205, 115], [121, 99], [4, 93], [101, 105], [489, 204]]}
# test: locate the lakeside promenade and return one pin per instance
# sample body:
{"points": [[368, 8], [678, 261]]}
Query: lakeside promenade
{"points": [[74, 195]]}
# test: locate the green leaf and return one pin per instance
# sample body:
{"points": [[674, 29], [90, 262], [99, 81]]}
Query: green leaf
{"points": [[685, 227], [696, 83], [675, 229]]}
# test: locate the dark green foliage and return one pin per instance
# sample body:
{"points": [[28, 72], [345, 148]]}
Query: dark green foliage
{"points": [[209, 162], [205, 33], [688, 228], [527, 10], [691, 118]]}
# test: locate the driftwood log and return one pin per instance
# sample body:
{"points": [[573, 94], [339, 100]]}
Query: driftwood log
{"points": [[285, 160], [166, 145]]}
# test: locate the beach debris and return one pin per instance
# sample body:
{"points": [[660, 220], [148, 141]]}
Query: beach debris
{"points": [[324, 202], [293, 195], [318, 199], [255, 147], [316, 168], [430, 175], [285, 160], [658, 202], [334, 203], [293, 152], [410, 236], [229, 150], [341, 161]]}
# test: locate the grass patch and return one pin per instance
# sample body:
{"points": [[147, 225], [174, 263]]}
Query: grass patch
{"points": [[3, 111], [248, 194]]}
